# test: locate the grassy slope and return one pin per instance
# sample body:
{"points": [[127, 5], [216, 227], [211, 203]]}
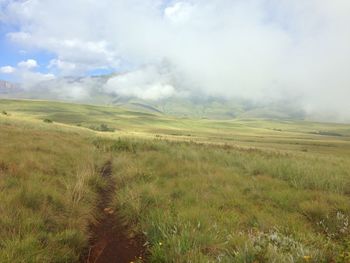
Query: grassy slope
{"points": [[242, 132], [46, 200], [239, 190], [200, 203]]}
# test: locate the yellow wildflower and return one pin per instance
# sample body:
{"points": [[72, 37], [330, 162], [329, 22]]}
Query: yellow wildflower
{"points": [[307, 258]]}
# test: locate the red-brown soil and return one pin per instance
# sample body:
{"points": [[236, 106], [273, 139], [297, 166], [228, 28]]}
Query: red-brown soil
{"points": [[110, 241]]}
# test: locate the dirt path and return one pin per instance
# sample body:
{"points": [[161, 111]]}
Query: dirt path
{"points": [[109, 241]]}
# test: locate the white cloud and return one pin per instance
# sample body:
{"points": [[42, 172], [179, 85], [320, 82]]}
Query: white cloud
{"points": [[7, 70], [30, 79], [64, 67], [25, 74], [147, 83], [72, 90], [179, 12], [255, 49], [28, 64], [21, 37]]}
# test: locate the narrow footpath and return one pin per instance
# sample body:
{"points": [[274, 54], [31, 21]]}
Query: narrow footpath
{"points": [[110, 242]]}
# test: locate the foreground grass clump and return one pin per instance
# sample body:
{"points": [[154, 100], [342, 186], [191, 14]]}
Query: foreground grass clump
{"points": [[207, 203], [45, 193]]}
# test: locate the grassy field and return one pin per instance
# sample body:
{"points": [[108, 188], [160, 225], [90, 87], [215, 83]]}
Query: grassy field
{"points": [[46, 182], [245, 190]]}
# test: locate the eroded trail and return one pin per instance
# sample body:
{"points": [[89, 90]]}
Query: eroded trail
{"points": [[109, 240]]}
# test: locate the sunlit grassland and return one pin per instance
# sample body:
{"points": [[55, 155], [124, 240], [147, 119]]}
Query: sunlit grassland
{"points": [[244, 190], [207, 203], [257, 133], [46, 191]]}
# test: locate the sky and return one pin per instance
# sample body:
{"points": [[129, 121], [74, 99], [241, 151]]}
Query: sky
{"points": [[263, 50]]}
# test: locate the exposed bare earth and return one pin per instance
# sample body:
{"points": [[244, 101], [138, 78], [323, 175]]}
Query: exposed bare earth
{"points": [[110, 241]]}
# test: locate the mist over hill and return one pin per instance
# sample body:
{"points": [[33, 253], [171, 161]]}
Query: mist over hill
{"points": [[7, 87], [180, 102], [263, 53], [174, 131]]}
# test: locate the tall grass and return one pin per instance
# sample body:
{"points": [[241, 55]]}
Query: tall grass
{"points": [[201, 191], [206, 203], [46, 200]]}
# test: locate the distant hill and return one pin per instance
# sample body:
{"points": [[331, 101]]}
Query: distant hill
{"points": [[213, 108], [7, 87], [91, 90]]}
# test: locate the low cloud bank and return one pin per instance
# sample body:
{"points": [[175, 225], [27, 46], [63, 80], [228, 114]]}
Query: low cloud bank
{"points": [[260, 50]]}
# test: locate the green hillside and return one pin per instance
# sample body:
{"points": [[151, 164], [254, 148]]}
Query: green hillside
{"points": [[189, 105], [196, 190]]}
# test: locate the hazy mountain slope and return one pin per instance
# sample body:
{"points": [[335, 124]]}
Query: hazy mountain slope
{"points": [[92, 90], [7, 87], [251, 178]]}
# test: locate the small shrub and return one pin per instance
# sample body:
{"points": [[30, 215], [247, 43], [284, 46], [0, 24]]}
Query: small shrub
{"points": [[4, 113], [102, 128], [47, 121]]}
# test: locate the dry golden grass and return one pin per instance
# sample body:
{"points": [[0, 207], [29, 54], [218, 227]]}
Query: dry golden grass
{"points": [[200, 190], [46, 200]]}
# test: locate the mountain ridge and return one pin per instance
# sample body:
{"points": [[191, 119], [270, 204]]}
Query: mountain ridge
{"points": [[91, 90]]}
